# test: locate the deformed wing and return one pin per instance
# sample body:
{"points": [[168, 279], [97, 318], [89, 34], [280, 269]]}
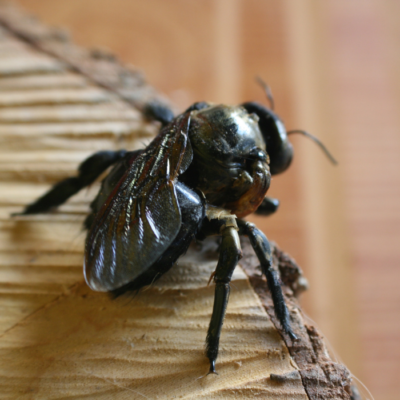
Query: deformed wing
{"points": [[141, 217]]}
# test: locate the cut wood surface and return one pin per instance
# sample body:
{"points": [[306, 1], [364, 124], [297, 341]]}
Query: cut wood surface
{"points": [[59, 339]]}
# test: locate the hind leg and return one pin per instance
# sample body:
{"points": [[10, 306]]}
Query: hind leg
{"points": [[89, 171]]}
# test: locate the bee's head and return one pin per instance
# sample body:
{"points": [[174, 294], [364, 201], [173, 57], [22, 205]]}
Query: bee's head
{"points": [[278, 147]]}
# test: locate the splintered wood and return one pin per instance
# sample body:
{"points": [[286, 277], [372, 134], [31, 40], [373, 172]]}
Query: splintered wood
{"points": [[59, 339]]}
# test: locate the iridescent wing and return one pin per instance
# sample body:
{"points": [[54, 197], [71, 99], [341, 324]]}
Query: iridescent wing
{"points": [[141, 217]]}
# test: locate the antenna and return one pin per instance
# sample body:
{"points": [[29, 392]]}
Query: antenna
{"points": [[267, 91], [317, 141]]}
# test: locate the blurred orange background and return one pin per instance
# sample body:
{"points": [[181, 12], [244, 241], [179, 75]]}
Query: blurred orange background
{"points": [[333, 67]]}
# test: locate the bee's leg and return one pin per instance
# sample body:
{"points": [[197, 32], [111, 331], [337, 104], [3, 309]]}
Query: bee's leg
{"points": [[198, 106], [229, 255], [262, 249], [268, 206], [89, 171], [158, 112]]}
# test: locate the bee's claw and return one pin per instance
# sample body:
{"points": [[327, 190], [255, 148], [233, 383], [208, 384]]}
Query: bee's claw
{"points": [[212, 368]]}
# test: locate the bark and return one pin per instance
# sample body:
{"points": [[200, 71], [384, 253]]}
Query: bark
{"points": [[58, 104]]}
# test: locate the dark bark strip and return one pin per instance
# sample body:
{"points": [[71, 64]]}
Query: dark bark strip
{"points": [[99, 66], [322, 378]]}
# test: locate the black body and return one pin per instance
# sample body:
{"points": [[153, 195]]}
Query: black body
{"points": [[207, 168]]}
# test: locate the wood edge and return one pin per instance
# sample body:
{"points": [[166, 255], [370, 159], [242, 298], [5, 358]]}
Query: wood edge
{"points": [[322, 377], [100, 66]]}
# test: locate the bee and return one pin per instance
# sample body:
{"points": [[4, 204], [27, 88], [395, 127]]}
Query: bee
{"points": [[206, 170]]}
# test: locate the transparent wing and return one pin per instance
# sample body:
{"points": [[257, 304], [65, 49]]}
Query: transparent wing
{"points": [[141, 217]]}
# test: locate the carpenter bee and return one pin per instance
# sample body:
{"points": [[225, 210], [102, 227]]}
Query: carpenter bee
{"points": [[206, 169]]}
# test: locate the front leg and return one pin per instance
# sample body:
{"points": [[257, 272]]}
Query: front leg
{"points": [[262, 249], [268, 206], [229, 255]]}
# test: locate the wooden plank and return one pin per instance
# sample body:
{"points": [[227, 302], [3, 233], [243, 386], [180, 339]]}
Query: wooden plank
{"points": [[99, 66], [28, 65], [42, 288], [42, 81], [115, 349], [52, 96], [60, 339], [326, 236], [10, 47], [90, 143], [69, 129], [364, 39], [65, 113]]}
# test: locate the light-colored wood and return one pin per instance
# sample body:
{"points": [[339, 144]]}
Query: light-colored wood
{"points": [[365, 64], [42, 81], [82, 343], [188, 50], [322, 195], [58, 339], [174, 43]]}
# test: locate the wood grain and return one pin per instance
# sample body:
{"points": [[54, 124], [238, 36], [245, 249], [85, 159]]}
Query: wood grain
{"points": [[58, 339]]}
